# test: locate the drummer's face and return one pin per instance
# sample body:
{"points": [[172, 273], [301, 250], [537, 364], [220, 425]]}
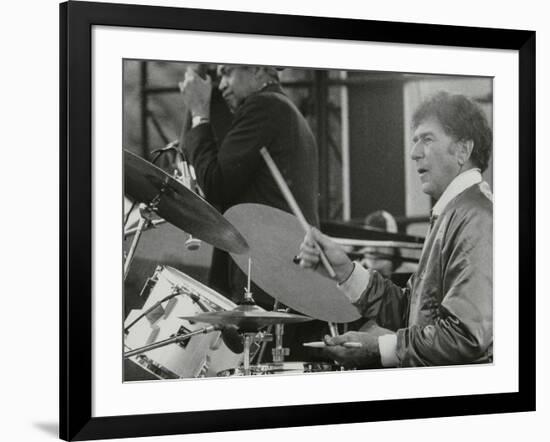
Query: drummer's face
{"points": [[237, 83]]}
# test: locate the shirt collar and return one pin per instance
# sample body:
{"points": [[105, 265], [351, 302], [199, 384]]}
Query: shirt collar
{"points": [[457, 186], [270, 86]]}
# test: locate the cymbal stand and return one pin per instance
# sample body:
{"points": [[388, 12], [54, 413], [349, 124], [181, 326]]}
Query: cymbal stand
{"points": [[262, 348], [279, 352], [333, 328], [248, 340], [146, 212]]}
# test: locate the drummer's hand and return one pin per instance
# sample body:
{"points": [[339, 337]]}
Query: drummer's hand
{"points": [[196, 93], [309, 254], [353, 357]]}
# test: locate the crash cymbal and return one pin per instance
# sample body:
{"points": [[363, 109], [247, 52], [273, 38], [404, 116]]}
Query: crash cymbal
{"points": [[178, 205], [247, 317], [274, 238]]}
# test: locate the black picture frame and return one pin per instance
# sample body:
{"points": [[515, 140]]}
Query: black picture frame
{"points": [[76, 21]]}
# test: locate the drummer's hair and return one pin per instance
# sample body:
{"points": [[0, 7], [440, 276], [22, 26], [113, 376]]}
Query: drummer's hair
{"points": [[462, 119]]}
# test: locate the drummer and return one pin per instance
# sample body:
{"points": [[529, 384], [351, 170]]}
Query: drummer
{"points": [[444, 315], [231, 171]]}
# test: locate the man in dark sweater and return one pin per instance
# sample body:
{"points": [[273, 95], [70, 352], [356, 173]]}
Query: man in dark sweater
{"points": [[231, 171], [445, 314]]}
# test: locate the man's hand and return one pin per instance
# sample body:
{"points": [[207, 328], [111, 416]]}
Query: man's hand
{"points": [[366, 354], [309, 254], [196, 93]]}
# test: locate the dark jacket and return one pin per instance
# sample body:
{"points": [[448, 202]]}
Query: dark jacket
{"points": [[445, 314], [234, 172]]}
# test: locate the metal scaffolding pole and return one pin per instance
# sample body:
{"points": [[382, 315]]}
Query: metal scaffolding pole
{"points": [[321, 105], [143, 96], [346, 178]]}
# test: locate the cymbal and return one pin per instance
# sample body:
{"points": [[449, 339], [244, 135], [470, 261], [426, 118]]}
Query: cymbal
{"points": [[247, 317], [274, 238], [179, 206]]}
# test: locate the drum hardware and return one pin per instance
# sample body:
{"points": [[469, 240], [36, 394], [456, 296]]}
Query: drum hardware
{"points": [[281, 368], [176, 291], [152, 224], [273, 237], [333, 329], [321, 344], [146, 213], [240, 326], [175, 203], [189, 180], [157, 153], [279, 352], [149, 285], [243, 323], [173, 340], [231, 337], [261, 351], [248, 339], [156, 368], [195, 351], [376, 243], [247, 317]]}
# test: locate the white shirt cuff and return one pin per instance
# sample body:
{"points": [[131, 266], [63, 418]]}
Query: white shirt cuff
{"points": [[387, 344], [356, 283], [198, 119]]}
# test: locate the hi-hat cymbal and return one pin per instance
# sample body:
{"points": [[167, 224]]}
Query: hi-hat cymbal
{"points": [[274, 238], [178, 205], [247, 317]]}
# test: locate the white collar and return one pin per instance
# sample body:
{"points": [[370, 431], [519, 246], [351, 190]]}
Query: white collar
{"points": [[458, 185]]}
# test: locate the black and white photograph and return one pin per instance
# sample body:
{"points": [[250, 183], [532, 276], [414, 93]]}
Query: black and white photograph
{"points": [[282, 220], [277, 221]]}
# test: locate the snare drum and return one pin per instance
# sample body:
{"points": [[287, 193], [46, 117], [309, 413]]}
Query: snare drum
{"points": [[202, 355], [282, 368]]}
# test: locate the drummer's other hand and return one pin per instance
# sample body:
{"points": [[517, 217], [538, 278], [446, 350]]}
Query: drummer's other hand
{"points": [[196, 93], [356, 356], [310, 256]]}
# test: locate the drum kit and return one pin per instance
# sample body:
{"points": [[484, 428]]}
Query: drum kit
{"points": [[185, 329]]}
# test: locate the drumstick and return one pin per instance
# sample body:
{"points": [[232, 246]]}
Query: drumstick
{"points": [[293, 204], [321, 344]]}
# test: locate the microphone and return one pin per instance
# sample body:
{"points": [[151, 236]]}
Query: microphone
{"points": [[232, 339], [230, 334], [188, 180]]}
